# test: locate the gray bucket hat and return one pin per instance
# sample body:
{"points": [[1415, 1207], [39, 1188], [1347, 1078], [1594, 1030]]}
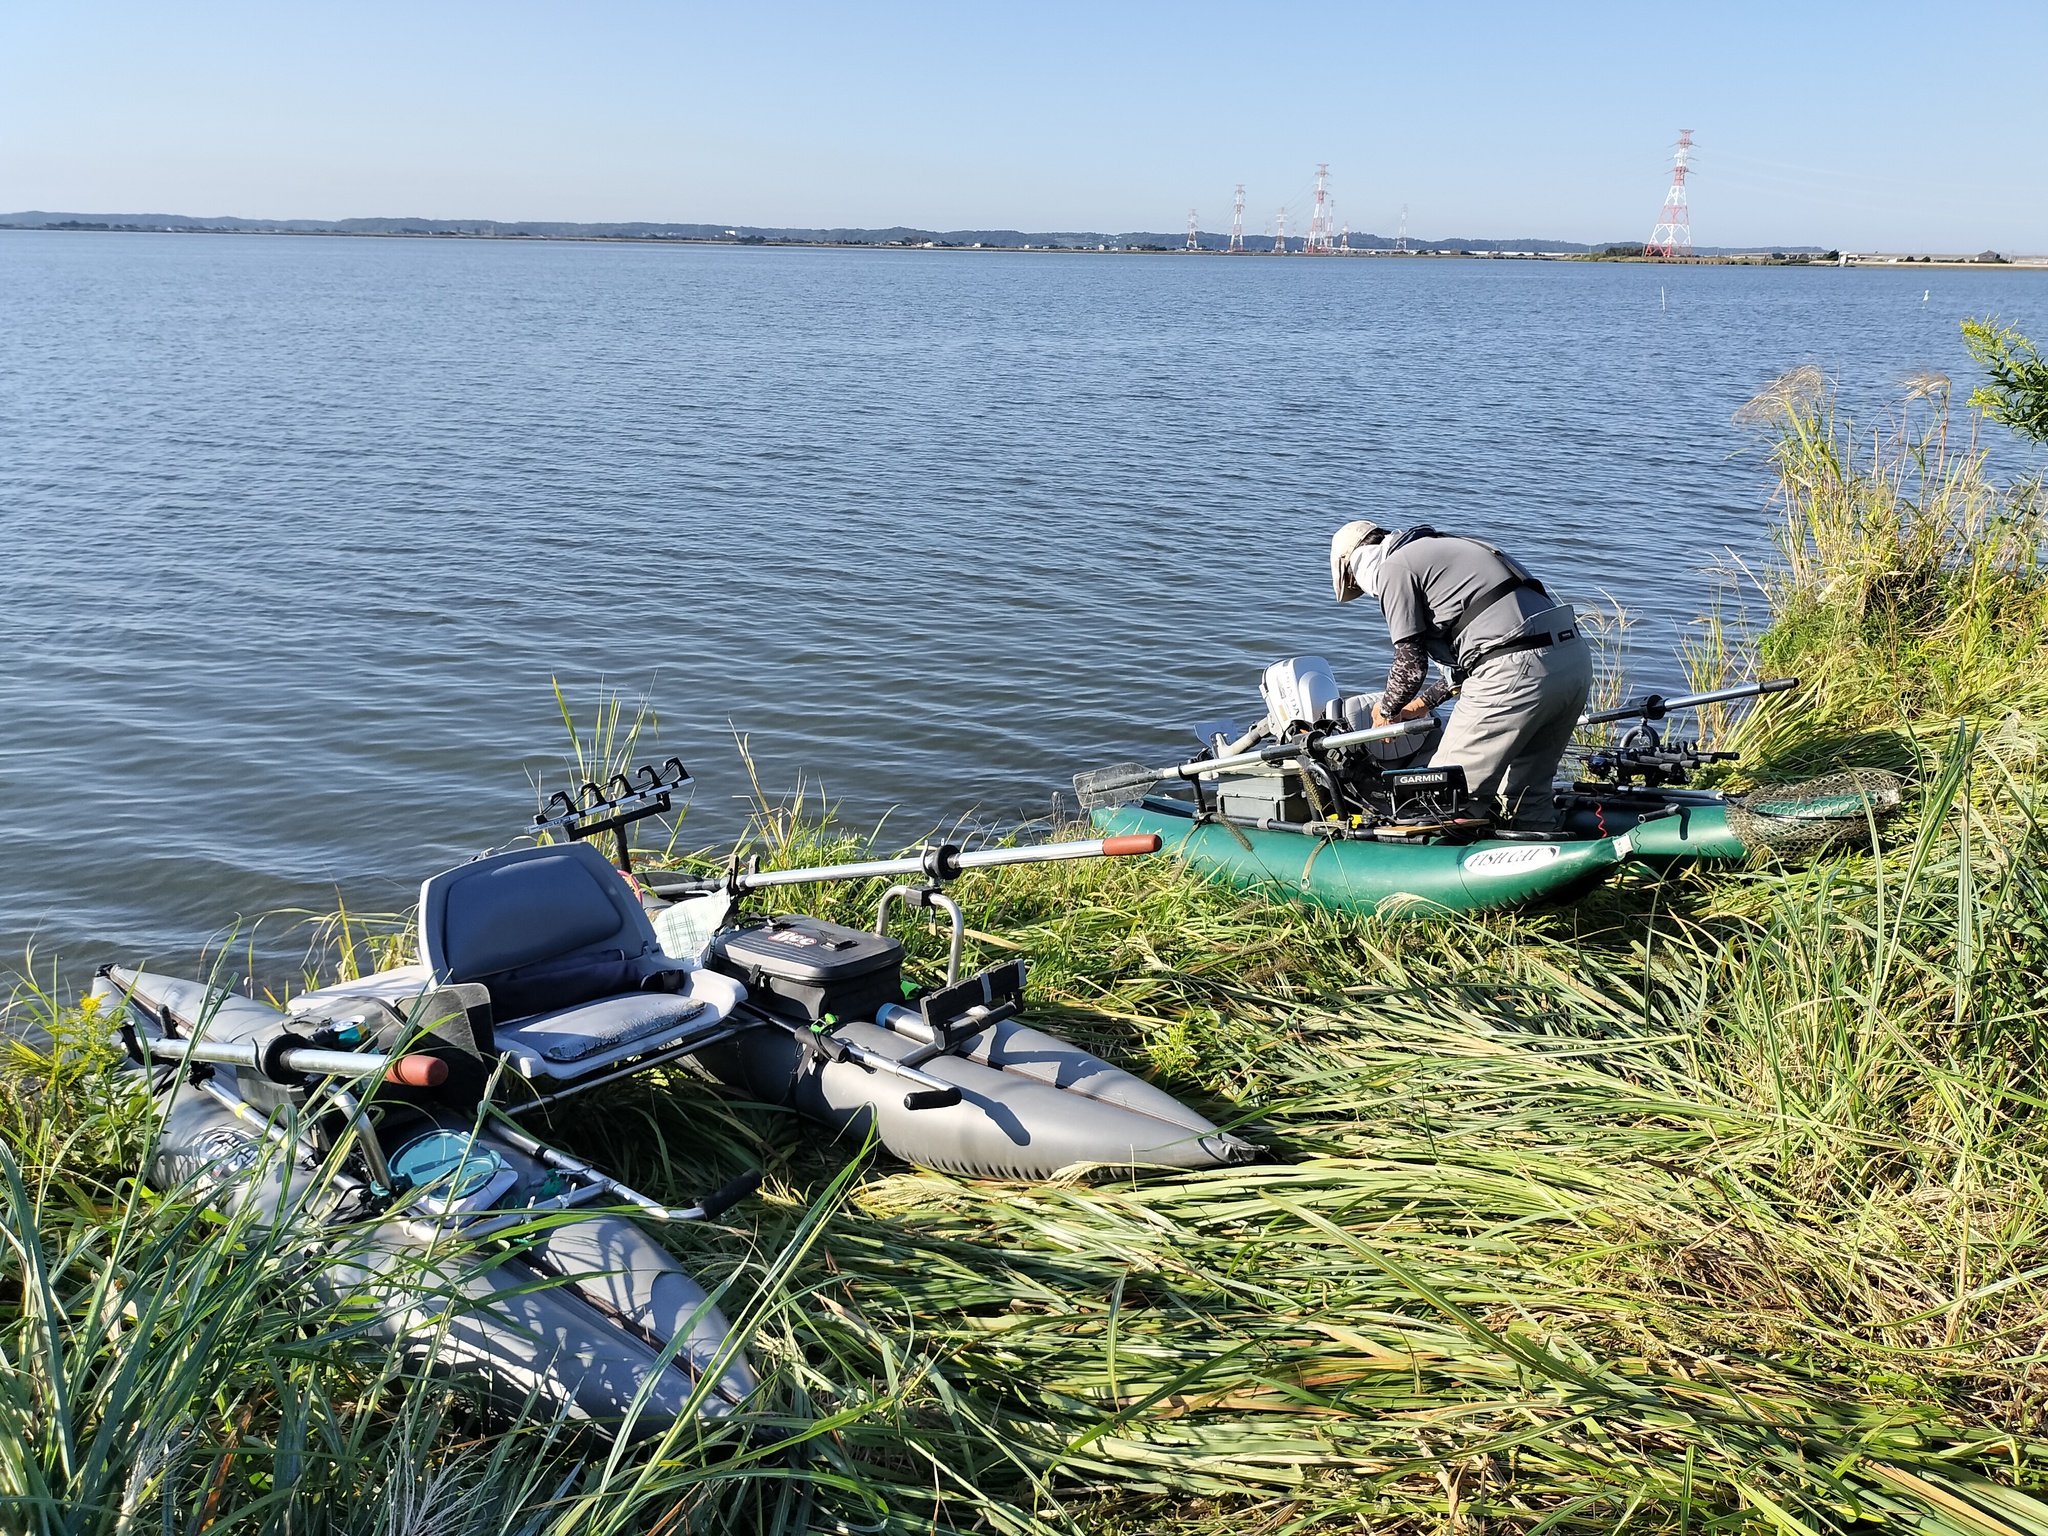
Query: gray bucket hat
{"points": [[1345, 543]]}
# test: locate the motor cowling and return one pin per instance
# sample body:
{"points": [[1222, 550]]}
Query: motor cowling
{"points": [[1299, 691]]}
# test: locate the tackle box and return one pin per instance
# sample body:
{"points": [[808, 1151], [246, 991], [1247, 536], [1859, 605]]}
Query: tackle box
{"points": [[804, 968]]}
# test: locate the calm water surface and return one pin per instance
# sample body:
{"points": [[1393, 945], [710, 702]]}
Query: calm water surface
{"points": [[299, 531]]}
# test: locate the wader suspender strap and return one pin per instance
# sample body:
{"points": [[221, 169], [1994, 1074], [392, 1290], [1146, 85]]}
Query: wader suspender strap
{"points": [[1517, 580], [1486, 600]]}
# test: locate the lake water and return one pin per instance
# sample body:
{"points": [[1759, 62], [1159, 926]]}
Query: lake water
{"points": [[299, 530]]}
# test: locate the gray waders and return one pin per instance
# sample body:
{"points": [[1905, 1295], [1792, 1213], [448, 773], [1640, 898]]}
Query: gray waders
{"points": [[1514, 718]]}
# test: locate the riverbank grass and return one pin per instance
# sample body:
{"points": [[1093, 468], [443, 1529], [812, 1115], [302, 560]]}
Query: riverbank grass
{"points": [[1712, 1203]]}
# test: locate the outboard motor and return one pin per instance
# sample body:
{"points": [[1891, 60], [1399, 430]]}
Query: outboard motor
{"points": [[1380, 789], [1302, 697], [1300, 691]]}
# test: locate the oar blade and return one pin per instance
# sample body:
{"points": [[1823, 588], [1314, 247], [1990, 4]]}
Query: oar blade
{"points": [[1118, 785]]}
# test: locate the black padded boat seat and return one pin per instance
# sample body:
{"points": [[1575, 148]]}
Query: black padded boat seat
{"points": [[576, 976]]}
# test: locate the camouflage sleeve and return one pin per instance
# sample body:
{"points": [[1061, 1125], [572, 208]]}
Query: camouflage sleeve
{"points": [[1404, 678]]}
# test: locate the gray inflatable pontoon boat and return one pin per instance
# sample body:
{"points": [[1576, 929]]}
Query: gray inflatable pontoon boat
{"points": [[947, 1078], [456, 1228], [584, 988]]}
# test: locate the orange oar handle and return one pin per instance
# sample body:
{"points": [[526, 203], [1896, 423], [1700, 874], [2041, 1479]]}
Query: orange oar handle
{"points": [[1130, 842], [417, 1072]]}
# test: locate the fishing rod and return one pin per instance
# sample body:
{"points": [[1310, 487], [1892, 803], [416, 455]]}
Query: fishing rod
{"points": [[945, 862], [1655, 706], [593, 810], [1114, 786]]}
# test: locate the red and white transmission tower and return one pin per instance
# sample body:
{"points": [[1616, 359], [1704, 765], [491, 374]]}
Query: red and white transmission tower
{"points": [[1193, 243], [1401, 240], [1320, 242], [1673, 234], [1237, 220], [1280, 240]]}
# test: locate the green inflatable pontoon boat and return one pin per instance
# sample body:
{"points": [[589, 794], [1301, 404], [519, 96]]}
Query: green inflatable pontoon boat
{"points": [[1389, 879], [1314, 805]]}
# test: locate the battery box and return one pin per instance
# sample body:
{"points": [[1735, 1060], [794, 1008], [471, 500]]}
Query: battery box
{"points": [[1271, 793], [1425, 794]]}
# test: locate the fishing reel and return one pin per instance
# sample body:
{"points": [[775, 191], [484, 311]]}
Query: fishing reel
{"points": [[1643, 756]]}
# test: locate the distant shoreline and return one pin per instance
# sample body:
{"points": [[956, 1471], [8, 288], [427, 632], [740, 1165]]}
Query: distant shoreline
{"points": [[1126, 246]]}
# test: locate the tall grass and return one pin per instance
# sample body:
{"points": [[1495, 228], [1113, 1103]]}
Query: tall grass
{"points": [[1712, 1203], [1908, 582], [168, 1365]]}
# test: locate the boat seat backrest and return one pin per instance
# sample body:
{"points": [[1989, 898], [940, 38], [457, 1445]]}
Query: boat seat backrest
{"points": [[542, 928]]}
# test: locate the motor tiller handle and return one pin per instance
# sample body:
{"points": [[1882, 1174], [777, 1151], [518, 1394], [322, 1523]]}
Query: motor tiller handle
{"points": [[1280, 751], [1106, 786]]}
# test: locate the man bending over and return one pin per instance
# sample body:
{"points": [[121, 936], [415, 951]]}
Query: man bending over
{"points": [[1524, 671]]}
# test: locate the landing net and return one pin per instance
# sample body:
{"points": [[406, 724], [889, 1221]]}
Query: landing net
{"points": [[1830, 811]]}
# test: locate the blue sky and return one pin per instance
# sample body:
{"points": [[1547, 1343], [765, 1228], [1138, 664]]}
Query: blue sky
{"points": [[1869, 126]]}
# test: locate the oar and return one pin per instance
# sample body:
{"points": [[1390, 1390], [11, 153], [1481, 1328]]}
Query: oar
{"points": [[287, 1061], [1130, 781], [945, 862], [707, 1209], [1655, 706]]}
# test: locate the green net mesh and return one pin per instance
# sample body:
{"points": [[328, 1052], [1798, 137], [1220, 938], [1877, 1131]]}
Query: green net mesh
{"points": [[1826, 812]]}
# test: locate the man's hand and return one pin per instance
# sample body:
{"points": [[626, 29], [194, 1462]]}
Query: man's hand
{"points": [[1414, 709]]}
